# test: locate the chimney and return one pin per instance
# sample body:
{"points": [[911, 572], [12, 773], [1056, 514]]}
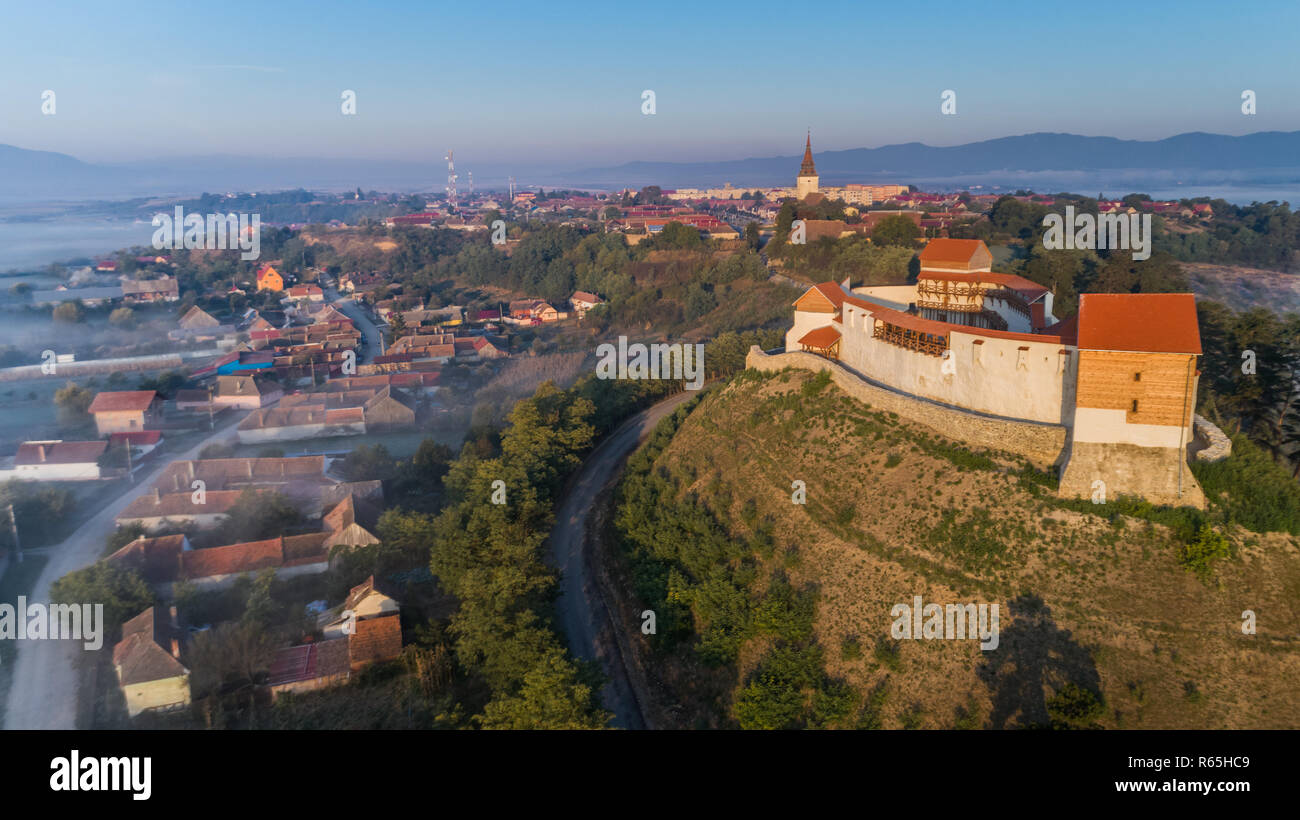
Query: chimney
{"points": [[172, 612], [190, 465], [157, 498], [40, 450], [176, 649]]}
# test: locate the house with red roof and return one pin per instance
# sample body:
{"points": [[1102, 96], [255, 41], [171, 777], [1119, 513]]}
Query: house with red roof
{"points": [[147, 663], [365, 629], [55, 460], [125, 411]]}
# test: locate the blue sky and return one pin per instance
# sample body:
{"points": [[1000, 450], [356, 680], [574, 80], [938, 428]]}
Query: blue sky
{"points": [[561, 82]]}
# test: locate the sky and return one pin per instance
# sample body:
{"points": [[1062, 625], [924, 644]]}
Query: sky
{"points": [[562, 82]]}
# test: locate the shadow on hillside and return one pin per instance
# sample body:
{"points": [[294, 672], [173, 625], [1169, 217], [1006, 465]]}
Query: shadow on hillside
{"points": [[1034, 659]]}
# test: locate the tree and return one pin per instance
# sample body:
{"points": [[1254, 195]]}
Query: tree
{"points": [[397, 323], [552, 697], [72, 403], [123, 593], [898, 231], [69, 312], [751, 235], [258, 515], [122, 317]]}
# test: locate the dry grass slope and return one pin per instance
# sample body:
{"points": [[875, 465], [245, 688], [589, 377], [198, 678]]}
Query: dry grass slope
{"points": [[895, 511]]}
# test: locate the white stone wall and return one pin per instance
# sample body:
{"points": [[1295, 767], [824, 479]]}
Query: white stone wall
{"points": [[988, 375]]}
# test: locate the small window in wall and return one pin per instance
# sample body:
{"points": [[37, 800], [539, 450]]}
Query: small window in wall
{"points": [[1137, 377], [1135, 405]]}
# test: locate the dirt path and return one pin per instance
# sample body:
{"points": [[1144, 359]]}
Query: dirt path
{"points": [[582, 615], [43, 692]]}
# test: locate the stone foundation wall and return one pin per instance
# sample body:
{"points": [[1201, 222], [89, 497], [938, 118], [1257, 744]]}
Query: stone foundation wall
{"points": [[1043, 445], [1212, 444], [1127, 469]]}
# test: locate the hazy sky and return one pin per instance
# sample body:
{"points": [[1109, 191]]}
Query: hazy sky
{"points": [[562, 82]]}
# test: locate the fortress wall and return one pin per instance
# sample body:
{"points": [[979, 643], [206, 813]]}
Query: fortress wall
{"points": [[988, 374], [1152, 473], [1042, 444], [1213, 444], [897, 297]]}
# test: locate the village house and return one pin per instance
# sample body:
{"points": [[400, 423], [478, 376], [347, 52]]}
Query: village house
{"points": [[196, 317], [119, 411], [164, 289], [246, 392], [155, 511], [323, 414], [163, 561], [142, 442], [371, 634], [198, 325], [56, 460], [311, 292], [582, 301], [425, 347], [268, 278], [147, 663], [535, 311]]}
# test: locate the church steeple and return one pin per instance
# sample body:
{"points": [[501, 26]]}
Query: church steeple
{"points": [[806, 182], [808, 169]]}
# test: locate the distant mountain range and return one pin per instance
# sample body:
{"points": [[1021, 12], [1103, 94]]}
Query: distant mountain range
{"points": [[1044, 161], [1032, 159]]}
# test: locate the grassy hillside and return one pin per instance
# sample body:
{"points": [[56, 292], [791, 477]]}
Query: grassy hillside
{"points": [[776, 614]]}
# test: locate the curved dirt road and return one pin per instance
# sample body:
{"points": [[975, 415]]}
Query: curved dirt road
{"points": [[582, 615]]}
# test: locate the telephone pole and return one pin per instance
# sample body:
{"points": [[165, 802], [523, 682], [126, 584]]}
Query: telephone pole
{"points": [[13, 526]]}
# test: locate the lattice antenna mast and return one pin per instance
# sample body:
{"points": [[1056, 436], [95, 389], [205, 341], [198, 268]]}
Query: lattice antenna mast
{"points": [[451, 179], [470, 174], [512, 189]]}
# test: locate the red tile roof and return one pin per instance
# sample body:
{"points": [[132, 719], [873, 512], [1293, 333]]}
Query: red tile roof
{"points": [[111, 401], [140, 656], [138, 437], [308, 661], [1139, 322], [59, 452], [950, 250], [822, 337], [376, 639], [232, 559]]}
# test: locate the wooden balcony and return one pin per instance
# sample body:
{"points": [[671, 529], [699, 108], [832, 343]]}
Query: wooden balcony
{"points": [[928, 343]]}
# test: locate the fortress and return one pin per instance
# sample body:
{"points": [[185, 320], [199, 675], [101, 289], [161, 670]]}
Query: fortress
{"points": [[1105, 396]]}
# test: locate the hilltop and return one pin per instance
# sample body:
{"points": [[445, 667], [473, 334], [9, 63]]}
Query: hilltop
{"points": [[775, 614]]}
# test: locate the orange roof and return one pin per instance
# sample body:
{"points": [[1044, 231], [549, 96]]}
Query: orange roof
{"points": [[912, 322], [231, 559], [1139, 322], [951, 250], [831, 290], [113, 401], [822, 337]]}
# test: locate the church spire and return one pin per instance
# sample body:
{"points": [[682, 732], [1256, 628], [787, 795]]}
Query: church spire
{"points": [[808, 169]]}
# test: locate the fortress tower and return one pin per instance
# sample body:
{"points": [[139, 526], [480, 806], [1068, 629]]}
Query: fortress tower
{"points": [[806, 182]]}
